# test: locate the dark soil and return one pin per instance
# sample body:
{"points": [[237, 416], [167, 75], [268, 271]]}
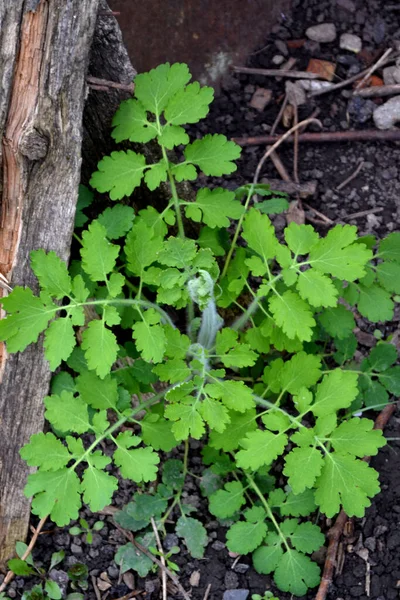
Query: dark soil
{"points": [[376, 537]]}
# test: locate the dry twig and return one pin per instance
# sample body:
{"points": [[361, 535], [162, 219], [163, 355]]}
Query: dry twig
{"points": [[10, 575], [350, 177], [96, 589], [162, 558], [277, 73], [378, 91], [335, 532], [323, 217], [362, 135], [374, 67], [207, 593], [105, 84], [363, 213]]}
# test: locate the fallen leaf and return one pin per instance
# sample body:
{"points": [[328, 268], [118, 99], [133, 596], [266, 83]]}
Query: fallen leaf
{"points": [[295, 44], [260, 99], [295, 214], [323, 68], [195, 579]]}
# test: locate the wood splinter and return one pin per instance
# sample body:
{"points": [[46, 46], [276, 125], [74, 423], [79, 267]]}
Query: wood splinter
{"points": [[365, 135]]}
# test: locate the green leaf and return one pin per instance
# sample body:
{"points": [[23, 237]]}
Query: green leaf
{"points": [[298, 505], [213, 154], [214, 414], [240, 356], [293, 315], [52, 589], [173, 135], [295, 573], [305, 537], [381, 357], [46, 451], [98, 255], [177, 252], [300, 238], [27, 317], [240, 425], [357, 437], [389, 276], [316, 288], [130, 123], [189, 105], [337, 390], [157, 432], [20, 567], [172, 475], [389, 248], [67, 413], [260, 448], [391, 380], [141, 248], [234, 394], [338, 322], [337, 254], [56, 493], [150, 337], [156, 174], [373, 393], [214, 207], [348, 482], [188, 421], [85, 199], [59, 341], [119, 174], [174, 370], [346, 348], [99, 393], [52, 273], [194, 535], [225, 503], [266, 558], [98, 487], [139, 464], [244, 537], [302, 467], [274, 206], [259, 234], [117, 220], [100, 347], [214, 239], [302, 370], [156, 88], [375, 304], [130, 557]]}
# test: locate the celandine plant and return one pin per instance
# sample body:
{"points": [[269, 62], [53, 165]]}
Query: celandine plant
{"points": [[152, 358]]}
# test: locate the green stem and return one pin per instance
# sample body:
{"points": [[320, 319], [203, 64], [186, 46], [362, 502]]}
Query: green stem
{"points": [[237, 231], [268, 510], [179, 492], [174, 193], [117, 425], [242, 320]]}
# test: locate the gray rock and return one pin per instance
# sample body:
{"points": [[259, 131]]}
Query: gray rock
{"points": [[281, 47], [236, 595], [360, 109], [350, 42], [347, 5], [75, 549], [391, 75], [241, 568], [323, 33], [218, 546], [170, 540], [278, 59], [231, 580], [113, 572], [388, 114], [61, 578], [296, 93]]}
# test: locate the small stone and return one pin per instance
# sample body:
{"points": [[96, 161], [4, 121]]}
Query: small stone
{"points": [[278, 59], [129, 580], [296, 94], [12, 593], [231, 580], [113, 572], [350, 42], [75, 549], [388, 114], [347, 5], [195, 579], [323, 33], [312, 85], [260, 99], [236, 595], [360, 109], [391, 75], [218, 546], [61, 578], [370, 543], [281, 47], [170, 540], [241, 568]]}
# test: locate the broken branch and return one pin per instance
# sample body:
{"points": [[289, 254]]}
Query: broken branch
{"points": [[277, 73], [378, 91], [366, 135]]}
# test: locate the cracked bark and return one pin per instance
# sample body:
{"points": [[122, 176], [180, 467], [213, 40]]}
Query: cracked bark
{"points": [[45, 50]]}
